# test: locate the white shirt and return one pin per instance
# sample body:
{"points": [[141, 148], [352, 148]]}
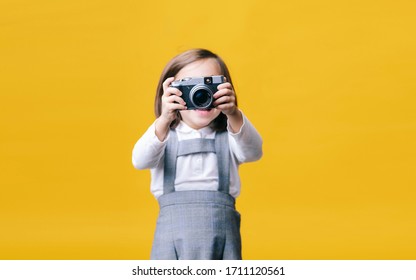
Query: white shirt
{"points": [[197, 171]]}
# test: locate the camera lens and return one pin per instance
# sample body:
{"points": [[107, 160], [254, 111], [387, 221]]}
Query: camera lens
{"points": [[201, 97]]}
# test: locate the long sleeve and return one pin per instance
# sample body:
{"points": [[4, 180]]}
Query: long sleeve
{"points": [[196, 171], [148, 150], [246, 144]]}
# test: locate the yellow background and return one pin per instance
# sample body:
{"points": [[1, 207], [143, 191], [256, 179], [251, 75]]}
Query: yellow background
{"points": [[330, 85]]}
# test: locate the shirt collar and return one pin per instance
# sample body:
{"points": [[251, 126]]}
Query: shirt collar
{"points": [[184, 128]]}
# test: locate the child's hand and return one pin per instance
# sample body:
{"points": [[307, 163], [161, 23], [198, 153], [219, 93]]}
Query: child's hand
{"points": [[225, 99], [171, 101]]}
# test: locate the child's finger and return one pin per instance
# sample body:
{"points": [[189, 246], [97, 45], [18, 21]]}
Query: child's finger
{"points": [[176, 106], [167, 82], [224, 85], [223, 92], [227, 99], [172, 91], [175, 99], [225, 106]]}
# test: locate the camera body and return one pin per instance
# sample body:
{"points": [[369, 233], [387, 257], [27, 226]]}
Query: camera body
{"points": [[198, 92]]}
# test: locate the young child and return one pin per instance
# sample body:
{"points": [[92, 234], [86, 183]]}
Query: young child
{"points": [[193, 156]]}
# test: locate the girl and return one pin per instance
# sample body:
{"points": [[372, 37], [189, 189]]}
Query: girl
{"points": [[193, 156]]}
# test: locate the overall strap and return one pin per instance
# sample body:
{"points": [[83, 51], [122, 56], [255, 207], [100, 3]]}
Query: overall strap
{"points": [[223, 158], [171, 152], [198, 145], [175, 148]]}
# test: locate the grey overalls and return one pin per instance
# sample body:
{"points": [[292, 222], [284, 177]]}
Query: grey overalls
{"points": [[197, 225]]}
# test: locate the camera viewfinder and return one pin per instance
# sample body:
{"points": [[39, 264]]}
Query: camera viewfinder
{"points": [[208, 80]]}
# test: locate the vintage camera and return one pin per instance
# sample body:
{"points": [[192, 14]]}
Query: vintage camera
{"points": [[198, 92]]}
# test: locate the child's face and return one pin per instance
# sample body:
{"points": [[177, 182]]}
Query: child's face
{"points": [[199, 118]]}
